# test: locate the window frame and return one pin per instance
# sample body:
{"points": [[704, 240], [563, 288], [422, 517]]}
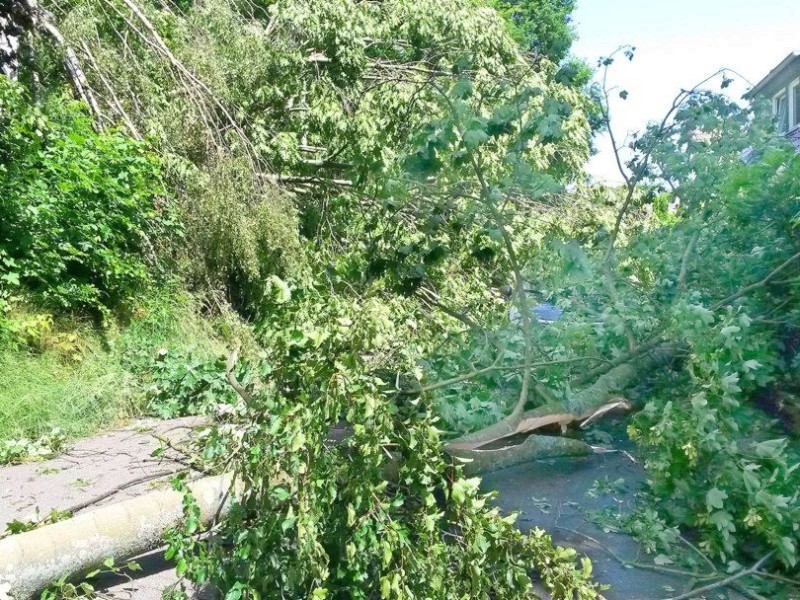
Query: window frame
{"points": [[794, 104], [785, 95]]}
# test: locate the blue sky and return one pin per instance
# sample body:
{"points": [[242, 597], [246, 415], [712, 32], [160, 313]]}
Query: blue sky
{"points": [[679, 43]]}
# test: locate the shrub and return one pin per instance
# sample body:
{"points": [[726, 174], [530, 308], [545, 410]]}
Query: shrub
{"points": [[77, 207]]}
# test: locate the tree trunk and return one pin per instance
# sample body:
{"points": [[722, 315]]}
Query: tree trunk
{"points": [[31, 561], [11, 31], [485, 448]]}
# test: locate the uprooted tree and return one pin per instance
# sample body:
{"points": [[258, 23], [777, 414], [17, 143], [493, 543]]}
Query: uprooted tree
{"points": [[421, 159]]}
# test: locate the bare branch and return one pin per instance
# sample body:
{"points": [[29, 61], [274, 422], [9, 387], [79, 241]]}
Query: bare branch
{"points": [[234, 383], [724, 582]]}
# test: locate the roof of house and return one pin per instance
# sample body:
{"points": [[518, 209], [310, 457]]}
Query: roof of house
{"points": [[773, 74], [794, 137]]}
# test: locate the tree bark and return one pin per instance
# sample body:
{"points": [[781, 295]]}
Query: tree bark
{"points": [[31, 561], [484, 448]]}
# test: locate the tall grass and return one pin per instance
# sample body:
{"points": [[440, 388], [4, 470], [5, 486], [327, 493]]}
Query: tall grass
{"points": [[43, 387], [39, 392]]}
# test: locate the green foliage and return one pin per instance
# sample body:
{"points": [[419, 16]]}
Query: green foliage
{"points": [[183, 385], [66, 590], [79, 208], [377, 515], [63, 589], [542, 26], [706, 271], [39, 391], [715, 282], [242, 233], [351, 103], [717, 439], [16, 451], [381, 513], [326, 97], [38, 333], [46, 385], [424, 154], [54, 516]]}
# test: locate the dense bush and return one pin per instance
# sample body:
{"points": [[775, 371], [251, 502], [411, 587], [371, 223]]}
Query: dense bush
{"points": [[78, 208]]}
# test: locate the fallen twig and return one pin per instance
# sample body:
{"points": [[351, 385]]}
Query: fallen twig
{"points": [[636, 565], [124, 486], [185, 458], [725, 582]]}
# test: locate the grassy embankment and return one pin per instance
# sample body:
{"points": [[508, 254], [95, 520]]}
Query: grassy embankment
{"points": [[67, 373]]}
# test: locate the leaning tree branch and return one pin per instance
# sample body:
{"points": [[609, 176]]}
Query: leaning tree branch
{"points": [[513, 260], [154, 40], [41, 21], [639, 170], [497, 367], [114, 100], [635, 176], [759, 284]]}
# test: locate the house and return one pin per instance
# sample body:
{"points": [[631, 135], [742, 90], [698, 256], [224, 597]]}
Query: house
{"points": [[781, 87]]}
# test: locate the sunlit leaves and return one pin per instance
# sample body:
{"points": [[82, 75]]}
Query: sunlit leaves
{"points": [[79, 207]]}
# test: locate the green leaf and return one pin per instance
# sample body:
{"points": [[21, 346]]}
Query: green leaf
{"points": [[182, 567], [715, 499], [772, 449], [133, 566], [788, 550], [281, 494], [475, 137], [723, 520], [280, 289], [462, 89]]}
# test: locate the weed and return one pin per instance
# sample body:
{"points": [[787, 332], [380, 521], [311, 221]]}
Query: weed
{"points": [[17, 450]]}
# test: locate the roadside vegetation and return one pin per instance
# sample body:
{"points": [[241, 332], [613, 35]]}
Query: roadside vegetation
{"points": [[90, 314], [298, 216]]}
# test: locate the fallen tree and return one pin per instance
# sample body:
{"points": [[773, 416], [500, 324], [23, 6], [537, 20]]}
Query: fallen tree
{"points": [[491, 449], [31, 561]]}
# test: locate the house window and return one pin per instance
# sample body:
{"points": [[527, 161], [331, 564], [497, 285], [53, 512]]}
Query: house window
{"points": [[796, 103], [782, 111]]}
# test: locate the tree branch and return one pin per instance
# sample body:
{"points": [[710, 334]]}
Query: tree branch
{"points": [[724, 582], [496, 367], [234, 383], [754, 286]]}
